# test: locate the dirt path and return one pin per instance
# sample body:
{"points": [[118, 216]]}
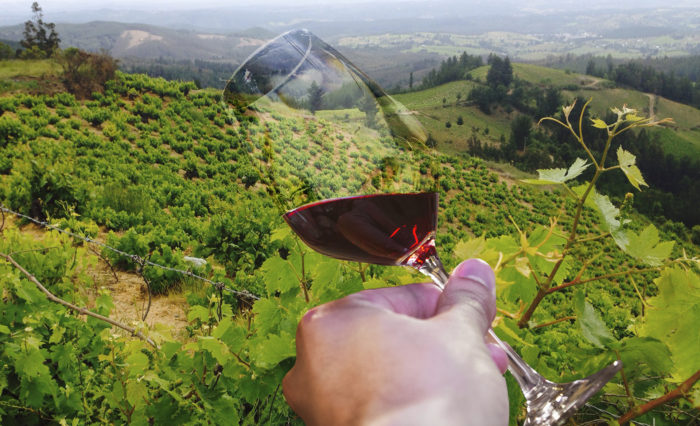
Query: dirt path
{"points": [[652, 105]]}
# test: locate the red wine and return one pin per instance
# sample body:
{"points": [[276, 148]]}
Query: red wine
{"points": [[382, 229]]}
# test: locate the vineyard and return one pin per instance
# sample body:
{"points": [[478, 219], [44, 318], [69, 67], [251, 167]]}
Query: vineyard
{"points": [[139, 180]]}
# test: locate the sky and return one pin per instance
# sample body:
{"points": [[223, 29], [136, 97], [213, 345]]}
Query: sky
{"points": [[15, 6], [18, 11], [66, 5]]}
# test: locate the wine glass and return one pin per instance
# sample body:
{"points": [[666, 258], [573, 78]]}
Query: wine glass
{"points": [[320, 131]]}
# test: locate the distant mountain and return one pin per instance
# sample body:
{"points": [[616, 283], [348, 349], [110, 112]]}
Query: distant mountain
{"points": [[148, 41]]}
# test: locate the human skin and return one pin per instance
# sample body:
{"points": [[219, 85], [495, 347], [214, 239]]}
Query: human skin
{"points": [[407, 355]]}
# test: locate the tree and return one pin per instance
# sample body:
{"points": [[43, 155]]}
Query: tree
{"points": [[40, 38], [368, 105], [410, 81], [520, 130], [315, 93], [6, 51], [500, 73]]}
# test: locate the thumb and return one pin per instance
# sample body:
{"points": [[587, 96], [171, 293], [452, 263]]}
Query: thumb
{"points": [[470, 294]]}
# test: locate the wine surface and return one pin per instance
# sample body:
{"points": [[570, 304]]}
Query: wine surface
{"points": [[380, 228]]}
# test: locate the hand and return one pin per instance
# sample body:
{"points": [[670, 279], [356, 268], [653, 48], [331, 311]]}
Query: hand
{"points": [[402, 355]]}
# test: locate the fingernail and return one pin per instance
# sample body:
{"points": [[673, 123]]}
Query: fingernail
{"points": [[478, 271]]}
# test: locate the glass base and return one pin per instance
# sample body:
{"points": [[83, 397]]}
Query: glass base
{"points": [[550, 403]]}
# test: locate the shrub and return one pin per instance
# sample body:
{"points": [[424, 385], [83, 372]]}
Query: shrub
{"points": [[84, 72], [10, 130]]}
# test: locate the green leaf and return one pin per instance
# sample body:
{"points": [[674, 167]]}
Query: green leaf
{"points": [[647, 248], [4, 329], [607, 212], [136, 392], [592, 326], [673, 317], [504, 244], [599, 124], [647, 351], [518, 288], [215, 347], [267, 315], [137, 363], [198, 312], [30, 364], [470, 248], [557, 176], [274, 349], [281, 234], [279, 275], [57, 334], [234, 337], [628, 165]]}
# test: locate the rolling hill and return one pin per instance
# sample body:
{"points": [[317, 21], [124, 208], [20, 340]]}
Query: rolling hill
{"points": [[683, 140]]}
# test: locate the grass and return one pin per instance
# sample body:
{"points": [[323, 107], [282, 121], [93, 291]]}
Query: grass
{"points": [[12, 68], [434, 115], [26, 74], [681, 140]]}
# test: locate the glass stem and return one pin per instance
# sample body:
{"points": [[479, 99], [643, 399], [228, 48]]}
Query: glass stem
{"points": [[527, 378]]}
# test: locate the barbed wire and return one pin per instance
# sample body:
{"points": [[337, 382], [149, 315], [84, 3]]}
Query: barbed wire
{"points": [[134, 257]]}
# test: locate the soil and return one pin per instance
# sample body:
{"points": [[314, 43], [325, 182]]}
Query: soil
{"points": [[128, 291], [130, 300]]}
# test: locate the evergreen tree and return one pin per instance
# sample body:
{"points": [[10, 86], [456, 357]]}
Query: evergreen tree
{"points": [[40, 38], [520, 130], [500, 73], [315, 93]]}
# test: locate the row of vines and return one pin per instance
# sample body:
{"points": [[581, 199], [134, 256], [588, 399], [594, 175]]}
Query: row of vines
{"points": [[159, 170]]}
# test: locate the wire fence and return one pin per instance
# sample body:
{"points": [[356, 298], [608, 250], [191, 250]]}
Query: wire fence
{"points": [[138, 260]]}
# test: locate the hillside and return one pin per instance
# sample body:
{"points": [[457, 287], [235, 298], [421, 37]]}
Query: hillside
{"points": [[162, 50], [148, 41], [682, 141], [160, 170]]}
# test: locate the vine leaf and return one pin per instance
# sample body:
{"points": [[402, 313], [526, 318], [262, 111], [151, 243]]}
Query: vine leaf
{"points": [[272, 349], [628, 164], [647, 351], [647, 247], [592, 326], [279, 275], [599, 124], [673, 318], [608, 214], [557, 176], [266, 315]]}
